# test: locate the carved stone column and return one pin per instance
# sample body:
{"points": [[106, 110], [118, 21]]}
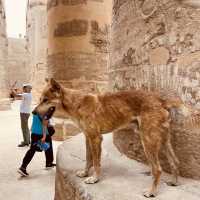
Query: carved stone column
{"points": [[156, 46], [4, 92], [78, 44], [37, 43]]}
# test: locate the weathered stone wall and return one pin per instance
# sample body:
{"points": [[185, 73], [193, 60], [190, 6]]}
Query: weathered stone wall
{"points": [[156, 46], [18, 70], [78, 41], [3, 51], [37, 43]]}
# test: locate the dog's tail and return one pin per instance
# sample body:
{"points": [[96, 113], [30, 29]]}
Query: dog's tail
{"points": [[180, 112], [188, 117], [170, 100]]}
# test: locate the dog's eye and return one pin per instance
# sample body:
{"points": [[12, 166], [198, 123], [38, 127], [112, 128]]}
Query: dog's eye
{"points": [[52, 90], [45, 100]]}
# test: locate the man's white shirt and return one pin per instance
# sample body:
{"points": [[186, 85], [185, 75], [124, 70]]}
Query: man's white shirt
{"points": [[25, 106]]}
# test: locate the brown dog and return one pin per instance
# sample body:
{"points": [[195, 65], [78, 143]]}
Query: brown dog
{"points": [[99, 114]]}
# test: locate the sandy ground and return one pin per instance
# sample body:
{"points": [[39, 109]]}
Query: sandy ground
{"points": [[40, 184]]}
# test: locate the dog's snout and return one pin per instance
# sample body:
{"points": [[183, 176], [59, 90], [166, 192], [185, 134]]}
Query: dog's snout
{"points": [[34, 110]]}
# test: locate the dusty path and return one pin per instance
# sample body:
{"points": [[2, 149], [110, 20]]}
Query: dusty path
{"points": [[40, 184]]}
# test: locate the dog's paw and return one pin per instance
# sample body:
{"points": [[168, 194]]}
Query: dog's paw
{"points": [[149, 194], [82, 173], [171, 183], [91, 180]]}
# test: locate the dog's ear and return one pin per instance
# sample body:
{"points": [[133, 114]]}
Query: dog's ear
{"points": [[55, 85]]}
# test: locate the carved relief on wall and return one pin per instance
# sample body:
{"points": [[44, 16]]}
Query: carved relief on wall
{"points": [[129, 57], [63, 66], [76, 27], [117, 4], [100, 37], [73, 2], [184, 43], [51, 3]]}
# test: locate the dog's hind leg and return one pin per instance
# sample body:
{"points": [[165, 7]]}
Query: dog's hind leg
{"points": [[173, 162], [89, 161], [95, 145], [151, 143]]}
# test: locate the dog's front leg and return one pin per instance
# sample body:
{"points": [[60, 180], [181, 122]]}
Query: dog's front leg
{"points": [[89, 161], [95, 145]]}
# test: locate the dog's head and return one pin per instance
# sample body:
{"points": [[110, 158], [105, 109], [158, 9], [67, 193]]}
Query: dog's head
{"points": [[50, 97]]}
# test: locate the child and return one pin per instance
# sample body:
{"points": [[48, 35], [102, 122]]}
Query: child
{"points": [[39, 132]]}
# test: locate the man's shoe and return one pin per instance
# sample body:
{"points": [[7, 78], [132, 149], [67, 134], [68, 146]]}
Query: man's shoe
{"points": [[22, 171], [22, 145], [51, 165]]}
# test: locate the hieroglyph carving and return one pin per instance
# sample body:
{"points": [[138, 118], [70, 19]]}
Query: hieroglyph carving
{"points": [[117, 4], [129, 58], [73, 2], [51, 3], [75, 27], [99, 37]]}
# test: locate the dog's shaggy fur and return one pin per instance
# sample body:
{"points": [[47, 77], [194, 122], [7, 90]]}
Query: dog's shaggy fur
{"points": [[104, 113]]}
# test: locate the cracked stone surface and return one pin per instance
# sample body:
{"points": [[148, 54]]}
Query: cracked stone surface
{"points": [[122, 178]]}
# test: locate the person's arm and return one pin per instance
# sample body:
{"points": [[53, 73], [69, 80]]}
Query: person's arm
{"points": [[16, 94], [44, 131]]}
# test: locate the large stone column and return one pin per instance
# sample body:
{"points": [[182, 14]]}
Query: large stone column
{"points": [[78, 41], [156, 46], [4, 92], [18, 69], [37, 43]]}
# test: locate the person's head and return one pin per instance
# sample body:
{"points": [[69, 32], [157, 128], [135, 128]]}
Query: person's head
{"points": [[27, 88], [49, 113], [51, 96]]}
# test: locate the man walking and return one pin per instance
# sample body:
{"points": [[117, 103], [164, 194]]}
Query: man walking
{"points": [[25, 109]]}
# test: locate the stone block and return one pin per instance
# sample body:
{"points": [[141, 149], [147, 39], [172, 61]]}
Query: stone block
{"points": [[185, 144], [64, 129], [70, 129], [122, 178]]}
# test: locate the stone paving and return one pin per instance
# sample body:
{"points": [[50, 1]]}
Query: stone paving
{"points": [[122, 178], [40, 184]]}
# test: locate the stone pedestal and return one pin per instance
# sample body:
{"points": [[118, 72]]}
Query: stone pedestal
{"points": [[122, 178], [64, 129]]}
